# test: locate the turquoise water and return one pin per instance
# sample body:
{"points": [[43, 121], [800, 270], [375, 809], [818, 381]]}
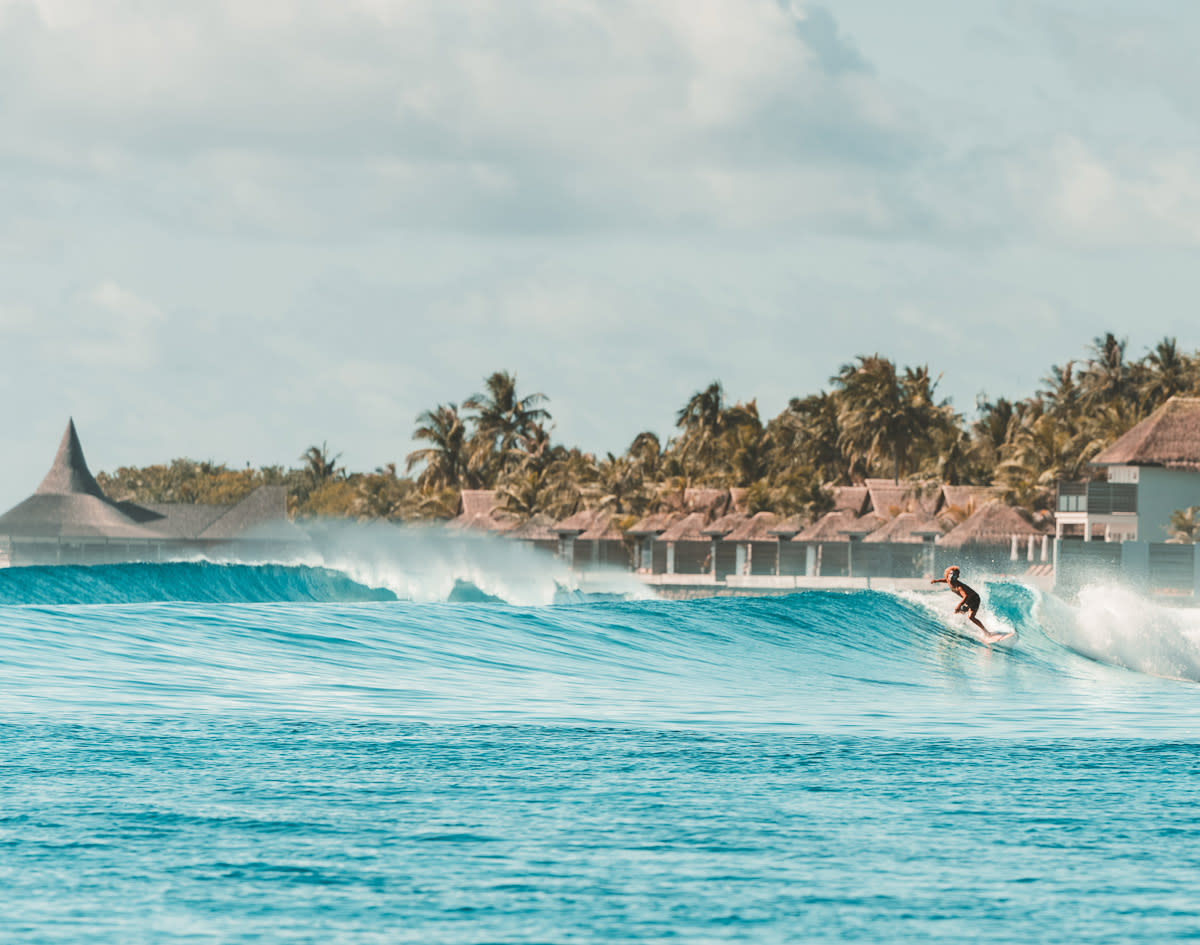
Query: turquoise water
{"points": [[230, 753]]}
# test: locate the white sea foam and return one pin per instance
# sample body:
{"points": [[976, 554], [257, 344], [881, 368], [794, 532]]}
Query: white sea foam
{"points": [[1118, 626], [427, 564], [941, 606]]}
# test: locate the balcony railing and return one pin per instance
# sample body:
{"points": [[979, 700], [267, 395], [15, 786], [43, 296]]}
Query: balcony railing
{"points": [[1097, 498]]}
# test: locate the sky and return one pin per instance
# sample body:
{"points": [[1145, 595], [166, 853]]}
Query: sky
{"points": [[230, 231]]}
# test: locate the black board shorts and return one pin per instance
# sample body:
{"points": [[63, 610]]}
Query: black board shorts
{"points": [[971, 601]]}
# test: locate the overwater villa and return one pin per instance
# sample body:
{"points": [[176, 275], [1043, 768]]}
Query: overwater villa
{"points": [[879, 530]]}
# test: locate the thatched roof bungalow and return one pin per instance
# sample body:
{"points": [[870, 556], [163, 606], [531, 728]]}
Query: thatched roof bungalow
{"points": [[69, 518], [590, 538], [993, 525]]}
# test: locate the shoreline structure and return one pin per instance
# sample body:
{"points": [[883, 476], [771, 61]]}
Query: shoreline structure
{"points": [[881, 534]]}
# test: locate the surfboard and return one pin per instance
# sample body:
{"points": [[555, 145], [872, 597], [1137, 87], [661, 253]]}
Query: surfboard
{"points": [[969, 630]]}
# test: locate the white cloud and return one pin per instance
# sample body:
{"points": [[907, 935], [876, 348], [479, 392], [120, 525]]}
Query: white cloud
{"points": [[528, 114], [1134, 196]]}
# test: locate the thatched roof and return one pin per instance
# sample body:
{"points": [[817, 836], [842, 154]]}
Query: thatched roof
{"points": [[479, 512], [654, 524], [1169, 437], [968, 498], [724, 525], [710, 502], [788, 527], [756, 528], [539, 527], [737, 500], [887, 498], [906, 528], [850, 499], [576, 524], [602, 528], [262, 514], [69, 503], [993, 524], [688, 528], [833, 526]]}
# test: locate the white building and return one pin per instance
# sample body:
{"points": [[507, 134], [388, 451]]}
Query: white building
{"points": [[1152, 471]]}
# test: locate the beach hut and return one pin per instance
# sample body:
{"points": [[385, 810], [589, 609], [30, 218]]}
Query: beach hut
{"points": [[903, 546], [649, 556], [790, 556], [658, 550], [722, 555], [70, 519], [590, 539], [989, 536], [756, 548], [687, 547], [828, 541]]}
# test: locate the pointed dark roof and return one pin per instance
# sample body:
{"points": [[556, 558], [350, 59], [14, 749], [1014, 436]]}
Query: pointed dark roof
{"points": [[69, 474], [70, 503]]}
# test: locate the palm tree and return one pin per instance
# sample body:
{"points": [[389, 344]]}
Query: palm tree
{"points": [[445, 460], [1165, 372], [806, 435], [619, 486], [1062, 394], [885, 417], [1106, 379], [700, 419], [501, 418], [320, 466]]}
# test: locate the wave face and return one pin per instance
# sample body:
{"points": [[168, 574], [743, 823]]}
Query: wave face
{"points": [[298, 638], [181, 581], [307, 753]]}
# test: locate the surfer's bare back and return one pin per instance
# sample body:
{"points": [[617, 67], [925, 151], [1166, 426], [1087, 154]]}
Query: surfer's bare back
{"points": [[969, 603]]}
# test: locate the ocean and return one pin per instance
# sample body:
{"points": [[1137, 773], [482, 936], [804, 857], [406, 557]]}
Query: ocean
{"points": [[237, 753]]}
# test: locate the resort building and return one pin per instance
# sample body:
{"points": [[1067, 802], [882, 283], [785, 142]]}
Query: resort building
{"points": [[1149, 473], [69, 519], [1119, 526]]}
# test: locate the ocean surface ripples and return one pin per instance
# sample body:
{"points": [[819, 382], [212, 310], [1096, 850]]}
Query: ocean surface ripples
{"points": [[307, 759]]}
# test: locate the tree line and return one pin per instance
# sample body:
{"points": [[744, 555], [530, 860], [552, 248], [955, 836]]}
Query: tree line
{"points": [[876, 419]]}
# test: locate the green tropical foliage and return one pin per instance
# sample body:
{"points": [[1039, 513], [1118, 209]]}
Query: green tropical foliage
{"points": [[1184, 525], [878, 419]]}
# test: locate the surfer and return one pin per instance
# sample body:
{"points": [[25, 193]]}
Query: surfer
{"points": [[969, 604]]}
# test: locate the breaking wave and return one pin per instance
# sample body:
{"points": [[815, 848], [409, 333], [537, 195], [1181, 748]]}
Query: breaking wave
{"points": [[274, 638]]}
